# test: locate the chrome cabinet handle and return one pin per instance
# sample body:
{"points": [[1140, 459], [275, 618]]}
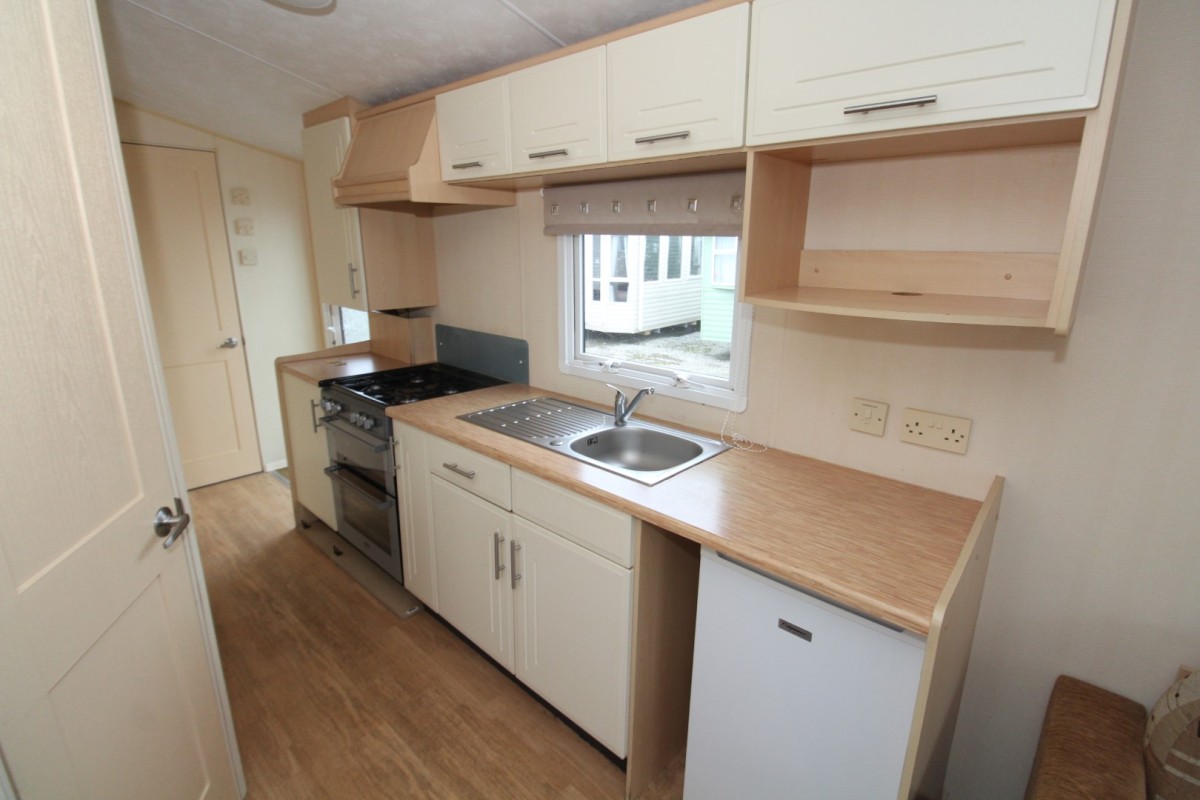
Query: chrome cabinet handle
{"points": [[313, 405], [512, 559], [497, 540], [170, 526], [662, 137], [467, 165], [469, 474], [354, 290], [230, 343], [867, 108], [549, 153]]}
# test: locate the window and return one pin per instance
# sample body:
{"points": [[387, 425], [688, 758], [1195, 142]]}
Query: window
{"points": [[724, 271], [680, 331], [344, 325]]}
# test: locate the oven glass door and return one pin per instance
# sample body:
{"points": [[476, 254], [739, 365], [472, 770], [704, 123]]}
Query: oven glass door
{"points": [[366, 512], [365, 507]]}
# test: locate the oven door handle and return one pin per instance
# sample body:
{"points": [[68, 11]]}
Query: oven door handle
{"points": [[376, 445], [336, 472]]}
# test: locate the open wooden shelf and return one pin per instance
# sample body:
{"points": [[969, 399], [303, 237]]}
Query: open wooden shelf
{"points": [[978, 223], [932, 286]]}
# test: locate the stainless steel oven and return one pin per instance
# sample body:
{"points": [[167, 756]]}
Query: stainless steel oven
{"points": [[362, 466], [363, 474]]}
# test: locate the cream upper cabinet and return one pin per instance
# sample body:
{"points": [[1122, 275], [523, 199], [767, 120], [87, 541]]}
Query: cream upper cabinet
{"points": [[473, 130], [821, 68], [309, 450], [680, 88], [336, 236], [557, 113]]}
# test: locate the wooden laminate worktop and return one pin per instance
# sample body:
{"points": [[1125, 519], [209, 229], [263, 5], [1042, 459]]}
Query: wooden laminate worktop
{"points": [[883, 547], [322, 367]]}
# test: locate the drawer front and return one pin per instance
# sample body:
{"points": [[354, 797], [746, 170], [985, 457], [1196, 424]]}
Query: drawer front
{"points": [[679, 88], [594, 526], [811, 60], [478, 474]]}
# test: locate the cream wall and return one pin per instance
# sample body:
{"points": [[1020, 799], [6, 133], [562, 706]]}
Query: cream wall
{"points": [[1096, 554], [276, 297]]}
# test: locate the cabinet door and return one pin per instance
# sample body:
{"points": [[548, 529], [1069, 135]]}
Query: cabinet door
{"points": [[680, 88], [310, 453], [792, 697], [398, 258], [473, 130], [471, 553], [811, 60], [412, 491], [557, 113], [571, 614], [336, 239]]}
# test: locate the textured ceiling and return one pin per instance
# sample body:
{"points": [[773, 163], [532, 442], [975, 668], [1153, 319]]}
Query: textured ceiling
{"points": [[248, 69]]}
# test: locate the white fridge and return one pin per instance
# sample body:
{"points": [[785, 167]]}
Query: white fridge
{"points": [[794, 697]]}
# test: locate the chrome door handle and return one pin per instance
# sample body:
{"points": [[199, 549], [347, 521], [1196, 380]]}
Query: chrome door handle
{"points": [[313, 405], [512, 559], [469, 474], [171, 526], [562, 151], [867, 108], [351, 269], [497, 540], [467, 165], [230, 343], [662, 137]]}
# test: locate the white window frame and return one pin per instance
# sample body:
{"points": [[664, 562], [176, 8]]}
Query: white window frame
{"points": [[728, 394]]}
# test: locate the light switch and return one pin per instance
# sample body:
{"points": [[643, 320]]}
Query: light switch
{"points": [[868, 416], [247, 256], [244, 226]]}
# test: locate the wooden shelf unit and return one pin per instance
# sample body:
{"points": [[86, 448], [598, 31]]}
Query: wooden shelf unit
{"points": [[898, 180]]}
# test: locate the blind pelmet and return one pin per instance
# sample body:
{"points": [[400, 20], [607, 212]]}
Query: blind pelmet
{"points": [[679, 205]]}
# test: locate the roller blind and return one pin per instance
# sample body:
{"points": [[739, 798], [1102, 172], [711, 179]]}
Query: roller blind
{"points": [[709, 204]]}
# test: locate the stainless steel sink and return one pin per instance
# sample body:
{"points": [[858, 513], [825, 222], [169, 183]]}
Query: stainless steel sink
{"points": [[637, 450]]}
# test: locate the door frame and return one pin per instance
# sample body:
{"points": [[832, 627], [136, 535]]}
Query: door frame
{"points": [[162, 404]]}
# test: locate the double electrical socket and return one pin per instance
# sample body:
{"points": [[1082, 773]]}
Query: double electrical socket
{"points": [[939, 431]]}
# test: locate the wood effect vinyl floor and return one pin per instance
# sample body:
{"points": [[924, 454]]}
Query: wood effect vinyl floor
{"points": [[333, 696]]}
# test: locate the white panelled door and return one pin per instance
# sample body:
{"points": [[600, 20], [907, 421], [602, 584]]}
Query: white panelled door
{"points": [[185, 254], [110, 685]]}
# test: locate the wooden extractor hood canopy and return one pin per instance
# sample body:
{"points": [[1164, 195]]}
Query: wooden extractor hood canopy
{"points": [[393, 161]]}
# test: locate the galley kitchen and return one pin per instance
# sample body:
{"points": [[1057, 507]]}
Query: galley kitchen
{"points": [[500, 400]]}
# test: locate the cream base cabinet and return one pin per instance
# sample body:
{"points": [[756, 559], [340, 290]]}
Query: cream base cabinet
{"points": [[680, 88], [551, 600], [336, 233], [820, 69], [792, 697], [309, 450], [571, 627], [557, 113], [472, 552], [410, 448]]}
